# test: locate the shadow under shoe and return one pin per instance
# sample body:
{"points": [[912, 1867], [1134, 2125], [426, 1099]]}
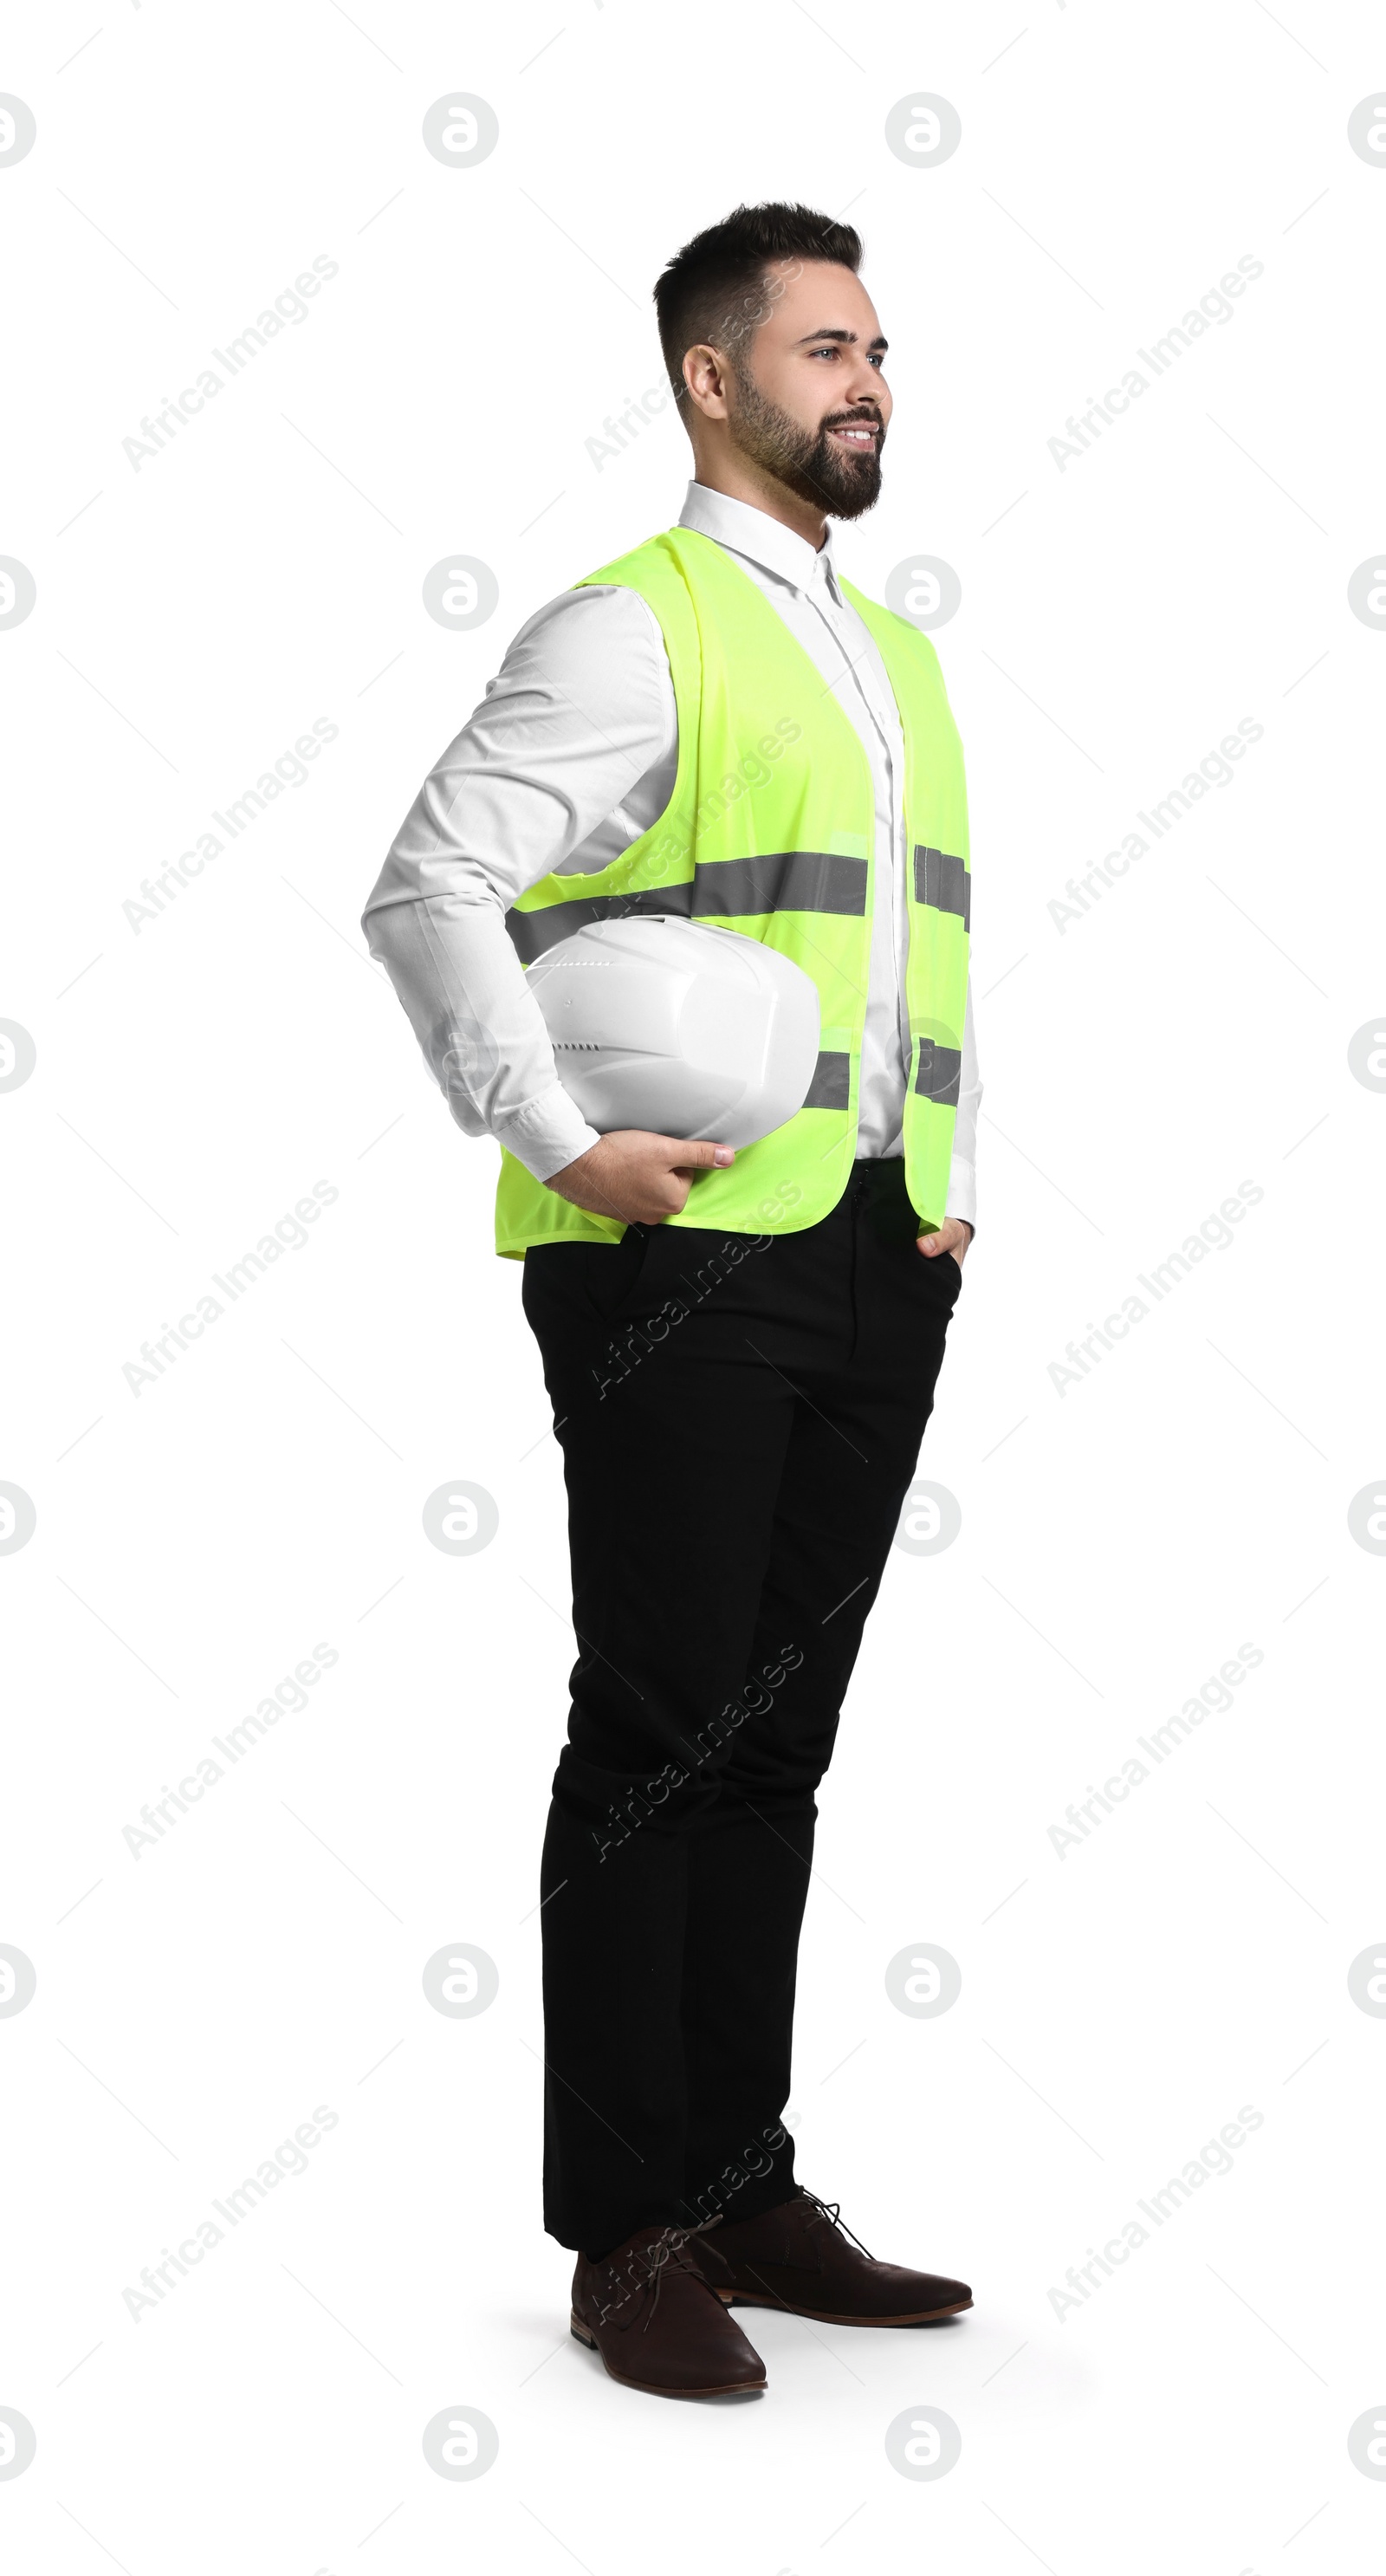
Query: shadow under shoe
{"points": [[657, 2324], [799, 2258]]}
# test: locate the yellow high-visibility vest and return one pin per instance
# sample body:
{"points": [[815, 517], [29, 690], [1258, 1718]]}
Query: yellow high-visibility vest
{"points": [[770, 831]]}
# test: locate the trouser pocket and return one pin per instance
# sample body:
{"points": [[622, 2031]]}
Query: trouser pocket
{"points": [[611, 1272]]}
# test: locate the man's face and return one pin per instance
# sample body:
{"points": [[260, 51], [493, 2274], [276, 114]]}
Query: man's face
{"points": [[807, 397]]}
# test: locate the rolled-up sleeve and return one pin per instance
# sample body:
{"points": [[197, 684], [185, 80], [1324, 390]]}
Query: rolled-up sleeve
{"points": [[581, 711]]}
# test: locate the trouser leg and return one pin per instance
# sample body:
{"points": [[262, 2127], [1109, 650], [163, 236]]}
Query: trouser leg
{"points": [[852, 1453], [673, 1474], [748, 1878]]}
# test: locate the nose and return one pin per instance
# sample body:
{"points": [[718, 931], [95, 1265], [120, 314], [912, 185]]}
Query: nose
{"points": [[866, 391]]}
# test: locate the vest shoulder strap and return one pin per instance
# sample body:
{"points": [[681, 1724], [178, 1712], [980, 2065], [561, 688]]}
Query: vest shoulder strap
{"points": [[655, 571]]}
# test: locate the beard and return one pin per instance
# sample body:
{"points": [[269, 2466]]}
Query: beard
{"points": [[807, 461]]}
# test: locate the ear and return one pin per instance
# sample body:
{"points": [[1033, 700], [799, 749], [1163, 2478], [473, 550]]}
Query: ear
{"points": [[705, 375]]}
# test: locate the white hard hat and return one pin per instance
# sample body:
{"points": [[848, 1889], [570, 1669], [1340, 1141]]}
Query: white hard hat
{"points": [[669, 1024]]}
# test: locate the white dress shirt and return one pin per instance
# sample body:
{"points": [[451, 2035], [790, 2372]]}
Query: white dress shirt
{"points": [[569, 758]]}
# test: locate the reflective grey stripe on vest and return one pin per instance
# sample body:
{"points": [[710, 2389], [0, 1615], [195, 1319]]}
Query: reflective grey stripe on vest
{"points": [[831, 1087], [781, 881], [943, 882], [938, 1075], [721, 889]]}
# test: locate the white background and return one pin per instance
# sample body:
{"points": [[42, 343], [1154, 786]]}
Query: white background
{"points": [[1119, 1541]]}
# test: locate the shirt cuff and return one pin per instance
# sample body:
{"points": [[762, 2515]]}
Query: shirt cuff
{"points": [[547, 1134], [962, 1192]]}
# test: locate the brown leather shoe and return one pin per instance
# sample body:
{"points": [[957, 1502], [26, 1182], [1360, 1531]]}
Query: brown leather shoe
{"points": [[658, 2326], [798, 2258]]}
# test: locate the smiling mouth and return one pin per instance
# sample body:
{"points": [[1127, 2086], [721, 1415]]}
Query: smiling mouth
{"points": [[859, 435]]}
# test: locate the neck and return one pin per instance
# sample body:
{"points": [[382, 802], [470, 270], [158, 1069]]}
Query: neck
{"points": [[743, 480]]}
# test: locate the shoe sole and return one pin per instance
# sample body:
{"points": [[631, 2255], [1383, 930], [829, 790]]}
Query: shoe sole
{"points": [[647, 2387], [921, 2316]]}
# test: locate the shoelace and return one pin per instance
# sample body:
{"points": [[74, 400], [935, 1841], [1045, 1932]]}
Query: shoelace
{"points": [[832, 2211], [654, 2274]]}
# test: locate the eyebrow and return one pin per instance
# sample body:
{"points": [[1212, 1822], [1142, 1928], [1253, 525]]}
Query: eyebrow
{"points": [[880, 341]]}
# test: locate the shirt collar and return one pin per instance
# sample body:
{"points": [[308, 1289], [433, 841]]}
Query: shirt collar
{"points": [[746, 530]]}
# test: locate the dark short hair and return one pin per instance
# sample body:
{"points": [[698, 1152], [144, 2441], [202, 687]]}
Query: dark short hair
{"points": [[714, 289]]}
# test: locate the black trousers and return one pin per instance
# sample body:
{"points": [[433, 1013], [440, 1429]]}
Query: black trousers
{"points": [[740, 1418]]}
